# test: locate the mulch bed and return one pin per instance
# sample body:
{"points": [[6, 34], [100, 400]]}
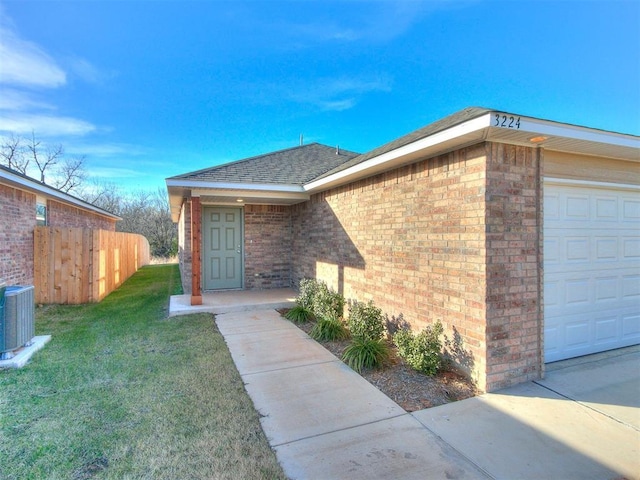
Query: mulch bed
{"points": [[409, 388]]}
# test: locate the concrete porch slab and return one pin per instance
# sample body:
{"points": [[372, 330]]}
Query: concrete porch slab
{"points": [[389, 449], [24, 354], [233, 301], [530, 432], [311, 400]]}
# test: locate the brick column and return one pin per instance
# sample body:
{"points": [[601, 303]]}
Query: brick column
{"points": [[196, 243], [514, 318]]}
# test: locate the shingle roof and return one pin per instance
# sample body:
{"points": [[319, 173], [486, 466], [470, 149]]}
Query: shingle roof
{"points": [[431, 129], [293, 166], [306, 163]]}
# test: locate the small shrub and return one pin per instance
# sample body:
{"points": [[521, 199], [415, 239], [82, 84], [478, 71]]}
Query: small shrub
{"points": [[326, 302], [421, 351], [299, 314], [308, 288], [365, 321], [329, 330], [319, 299], [366, 353]]}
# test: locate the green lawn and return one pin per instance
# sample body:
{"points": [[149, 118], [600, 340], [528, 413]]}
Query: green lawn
{"points": [[123, 392]]}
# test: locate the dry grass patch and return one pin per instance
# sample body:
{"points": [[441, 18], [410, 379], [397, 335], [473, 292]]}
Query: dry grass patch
{"points": [[123, 392]]}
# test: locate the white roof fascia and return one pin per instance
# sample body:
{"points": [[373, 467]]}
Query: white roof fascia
{"points": [[261, 187], [201, 192], [552, 129], [484, 125], [33, 185], [474, 125]]}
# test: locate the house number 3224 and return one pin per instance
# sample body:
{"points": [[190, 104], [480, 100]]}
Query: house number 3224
{"points": [[507, 121]]}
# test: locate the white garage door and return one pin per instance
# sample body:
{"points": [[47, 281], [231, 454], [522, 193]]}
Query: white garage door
{"points": [[591, 268]]}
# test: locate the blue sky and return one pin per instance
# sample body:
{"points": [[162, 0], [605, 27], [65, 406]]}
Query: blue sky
{"points": [[152, 89]]}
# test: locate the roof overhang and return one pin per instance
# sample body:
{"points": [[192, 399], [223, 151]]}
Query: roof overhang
{"points": [[495, 127], [491, 126], [23, 182], [218, 193]]}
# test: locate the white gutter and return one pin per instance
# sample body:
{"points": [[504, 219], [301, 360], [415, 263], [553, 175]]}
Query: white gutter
{"points": [[483, 126], [551, 129], [250, 194], [470, 126], [492, 126], [32, 185], [263, 187]]}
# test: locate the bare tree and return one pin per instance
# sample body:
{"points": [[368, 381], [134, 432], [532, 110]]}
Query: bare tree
{"points": [[70, 175], [149, 214], [135, 211], [44, 159], [106, 195], [12, 154], [163, 237], [64, 173], [143, 212]]}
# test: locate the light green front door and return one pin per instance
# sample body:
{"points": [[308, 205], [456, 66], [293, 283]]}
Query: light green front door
{"points": [[222, 249]]}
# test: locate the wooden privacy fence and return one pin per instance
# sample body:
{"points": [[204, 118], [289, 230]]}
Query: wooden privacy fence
{"points": [[82, 265]]}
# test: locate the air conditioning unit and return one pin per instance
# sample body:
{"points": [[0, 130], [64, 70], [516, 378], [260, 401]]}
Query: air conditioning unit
{"points": [[17, 319]]}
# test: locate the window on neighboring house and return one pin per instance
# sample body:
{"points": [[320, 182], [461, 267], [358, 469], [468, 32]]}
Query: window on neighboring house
{"points": [[41, 214]]}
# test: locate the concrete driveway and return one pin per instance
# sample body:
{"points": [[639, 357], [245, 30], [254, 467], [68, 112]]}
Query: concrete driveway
{"points": [[326, 422], [582, 421]]}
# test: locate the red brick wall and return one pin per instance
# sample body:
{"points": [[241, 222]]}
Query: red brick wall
{"points": [[411, 240], [63, 215], [455, 238], [422, 241], [514, 276], [17, 221], [267, 246]]}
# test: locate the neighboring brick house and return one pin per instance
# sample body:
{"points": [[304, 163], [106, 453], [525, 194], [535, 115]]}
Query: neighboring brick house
{"points": [[25, 203], [521, 235]]}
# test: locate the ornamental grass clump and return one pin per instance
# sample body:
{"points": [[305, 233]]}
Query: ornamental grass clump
{"points": [[421, 351], [329, 330], [299, 314], [366, 353], [368, 348]]}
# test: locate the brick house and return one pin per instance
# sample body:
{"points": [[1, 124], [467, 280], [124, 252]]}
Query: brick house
{"points": [[521, 235], [25, 203]]}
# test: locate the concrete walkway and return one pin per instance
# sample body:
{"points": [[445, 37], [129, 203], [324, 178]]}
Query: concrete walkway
{"points": [[326, 422]]}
